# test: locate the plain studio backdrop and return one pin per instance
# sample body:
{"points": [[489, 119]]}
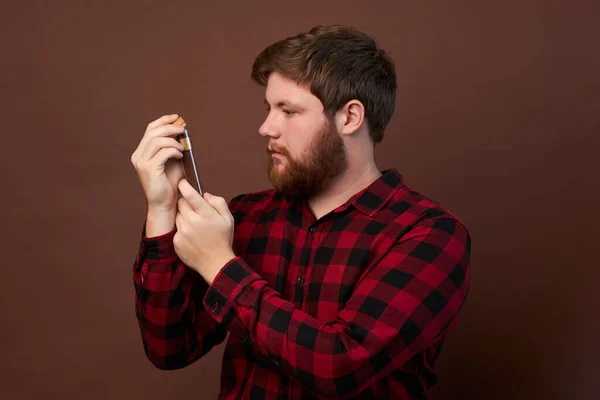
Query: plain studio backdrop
{"points": [[497, 118]]}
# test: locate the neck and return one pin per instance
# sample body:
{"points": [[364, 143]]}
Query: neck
{"points": [[345, 185]]}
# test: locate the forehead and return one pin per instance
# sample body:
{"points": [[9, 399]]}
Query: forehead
{"points": [[282, 89]]}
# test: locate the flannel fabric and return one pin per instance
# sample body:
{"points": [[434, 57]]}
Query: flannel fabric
{"points": [[356, 304]]}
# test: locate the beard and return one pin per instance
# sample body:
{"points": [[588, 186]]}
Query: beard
{"points": [[326, 158]]}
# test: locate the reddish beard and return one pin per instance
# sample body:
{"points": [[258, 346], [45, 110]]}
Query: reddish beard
{"points": [[305, 178]]}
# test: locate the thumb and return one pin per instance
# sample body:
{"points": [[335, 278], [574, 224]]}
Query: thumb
{"points": [[219, 204]]}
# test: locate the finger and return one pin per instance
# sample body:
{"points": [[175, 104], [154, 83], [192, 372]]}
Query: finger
{"points": [[219, 204], [192, 196], [184, 208], [165, 130], [165, 119], [156, 144], [178, 221], [164, 155], [145, 149]]}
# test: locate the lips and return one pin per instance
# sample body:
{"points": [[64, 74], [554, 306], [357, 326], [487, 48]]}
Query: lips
{"points": [[274, 150], [277, 156]]}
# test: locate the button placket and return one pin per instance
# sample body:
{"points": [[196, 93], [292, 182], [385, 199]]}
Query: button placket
{"points": [[300, 288], [304, 262]]}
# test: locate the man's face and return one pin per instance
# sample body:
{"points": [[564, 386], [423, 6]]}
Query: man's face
{"points": [[305, 150]]}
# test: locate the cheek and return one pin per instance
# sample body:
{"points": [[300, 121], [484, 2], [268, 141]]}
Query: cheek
{"points": [[298, 146], [299, 134]]}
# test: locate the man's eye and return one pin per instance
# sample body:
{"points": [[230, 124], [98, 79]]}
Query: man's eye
{"points": [[289, 112]]}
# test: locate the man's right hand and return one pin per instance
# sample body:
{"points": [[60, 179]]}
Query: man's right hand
{"points": [[156, 161]]}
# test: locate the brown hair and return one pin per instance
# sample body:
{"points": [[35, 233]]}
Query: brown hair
{"points": [[340, 64]]}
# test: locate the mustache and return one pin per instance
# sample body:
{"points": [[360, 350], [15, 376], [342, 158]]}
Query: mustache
{"points": [[276, 149]]}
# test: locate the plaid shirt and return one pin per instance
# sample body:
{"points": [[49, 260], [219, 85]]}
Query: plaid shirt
{"points": [[354, 305]]}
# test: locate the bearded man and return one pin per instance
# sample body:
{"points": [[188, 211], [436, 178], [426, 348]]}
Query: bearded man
{"points": [[341, 281]]}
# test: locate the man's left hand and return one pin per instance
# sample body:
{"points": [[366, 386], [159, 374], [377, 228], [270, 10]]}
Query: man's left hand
{"points": [[204, 236]]}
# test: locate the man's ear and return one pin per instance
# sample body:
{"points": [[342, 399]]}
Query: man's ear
{"points": [[351, 117]]}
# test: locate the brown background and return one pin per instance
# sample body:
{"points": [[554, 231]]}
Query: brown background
{"points": [[497, 118]]}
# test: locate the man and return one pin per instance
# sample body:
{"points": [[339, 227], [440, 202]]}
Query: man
{"points": [[342, 282]]}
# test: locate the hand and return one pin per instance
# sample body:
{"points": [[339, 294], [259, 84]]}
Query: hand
{"points": [[204, 236], [156, 161]]}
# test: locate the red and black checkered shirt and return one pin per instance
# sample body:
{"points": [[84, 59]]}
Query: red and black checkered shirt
{"points": [[354, 305]]}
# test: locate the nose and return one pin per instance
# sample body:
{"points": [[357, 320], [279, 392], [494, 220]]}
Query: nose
{"points": [[268, 128]]}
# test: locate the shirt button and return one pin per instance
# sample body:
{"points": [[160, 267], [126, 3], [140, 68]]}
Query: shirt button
{"points": [[312, 229], [300, 280]]}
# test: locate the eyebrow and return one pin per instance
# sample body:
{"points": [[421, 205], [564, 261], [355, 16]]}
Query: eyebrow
{"points": [[286, 103]]}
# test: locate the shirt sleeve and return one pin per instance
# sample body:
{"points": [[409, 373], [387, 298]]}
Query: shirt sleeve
{"points": [[399, 308], [175, 328]]}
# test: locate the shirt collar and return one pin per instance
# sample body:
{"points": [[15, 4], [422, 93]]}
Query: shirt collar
{"points": [[376, 195], [372, 198]]}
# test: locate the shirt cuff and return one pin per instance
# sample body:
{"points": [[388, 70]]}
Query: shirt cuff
{"points": [[159, 247], [227, 287]]}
